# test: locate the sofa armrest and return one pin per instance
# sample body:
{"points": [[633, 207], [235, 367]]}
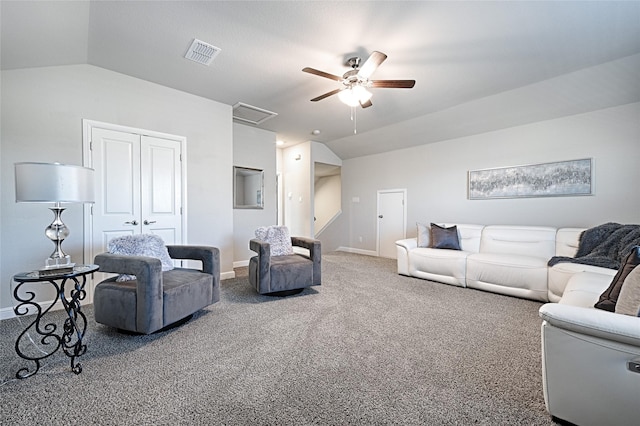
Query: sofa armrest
{"points": [[209, 256], [593, 322], [403, 248], [408, 244]]}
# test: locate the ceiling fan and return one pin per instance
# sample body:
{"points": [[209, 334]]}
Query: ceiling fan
{"points": [[356, 81]]}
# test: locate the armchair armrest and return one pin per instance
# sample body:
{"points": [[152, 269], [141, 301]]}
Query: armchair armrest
{"points": [[209, 256], [148, 272], [144, 268], [593, 322], [315, 254], [313, 245], [261, 247]]}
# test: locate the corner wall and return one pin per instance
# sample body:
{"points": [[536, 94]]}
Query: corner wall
{"points": [[254, 148]]}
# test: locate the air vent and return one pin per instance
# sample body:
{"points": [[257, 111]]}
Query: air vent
{"points": [[201, 52], [250, 114]]}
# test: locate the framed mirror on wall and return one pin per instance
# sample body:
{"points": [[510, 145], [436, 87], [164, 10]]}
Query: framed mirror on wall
{"points": [[248, 188]]}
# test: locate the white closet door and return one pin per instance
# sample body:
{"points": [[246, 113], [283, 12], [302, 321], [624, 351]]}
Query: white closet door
{"points": [[117, 208], [138, 187], [161, 188]]}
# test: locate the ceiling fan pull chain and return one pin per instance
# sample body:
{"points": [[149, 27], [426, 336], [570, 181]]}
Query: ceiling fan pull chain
{"points": [[354, 118]]}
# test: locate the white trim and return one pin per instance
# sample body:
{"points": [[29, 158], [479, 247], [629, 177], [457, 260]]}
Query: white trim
{"points": [[357, 251], [338, 213], [404, 211], [8, 312], [227, 275], [241, 263]]}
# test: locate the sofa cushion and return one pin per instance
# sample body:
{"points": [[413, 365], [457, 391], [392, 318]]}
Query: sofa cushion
{"points": [[629, 299], [610, 296], [584, 288], [444, 238], [560, 274], [510, 274], [424, 235], [278, 238], [535, 241], [446, 266]]}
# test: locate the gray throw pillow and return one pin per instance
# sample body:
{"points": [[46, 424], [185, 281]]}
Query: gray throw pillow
{"points": [[629, 299], [423, 234], [444, 238]]}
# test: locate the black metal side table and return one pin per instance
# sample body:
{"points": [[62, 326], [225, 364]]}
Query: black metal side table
{"points": [[74, 325]]}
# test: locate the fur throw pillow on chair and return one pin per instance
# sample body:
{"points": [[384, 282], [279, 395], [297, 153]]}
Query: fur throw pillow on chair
{"points": [[278, 238], [148, 245]]}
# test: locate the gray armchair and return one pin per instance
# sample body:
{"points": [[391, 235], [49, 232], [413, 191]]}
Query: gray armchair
{"points": [[155, 299], [287, 274]]}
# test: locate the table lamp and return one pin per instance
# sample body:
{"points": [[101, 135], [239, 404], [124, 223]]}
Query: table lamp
{"points": [[54, 183]]}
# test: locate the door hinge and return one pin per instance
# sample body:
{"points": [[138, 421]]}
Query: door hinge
{"points": [[91, 209], [90, 145], [180, 210]]}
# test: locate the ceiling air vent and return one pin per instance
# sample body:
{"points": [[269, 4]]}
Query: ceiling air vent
{"points": [[201, 52], [250, 114]]}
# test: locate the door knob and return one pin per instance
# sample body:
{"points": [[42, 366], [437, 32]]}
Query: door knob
{"points": [[149, 222], [133, 222], [380, 216]]}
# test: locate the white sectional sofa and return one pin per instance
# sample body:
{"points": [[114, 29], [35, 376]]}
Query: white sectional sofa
{"points": [[510, 260], [590, 357]]}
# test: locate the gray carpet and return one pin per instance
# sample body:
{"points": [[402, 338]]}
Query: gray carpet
{"points": [[367, 347]]}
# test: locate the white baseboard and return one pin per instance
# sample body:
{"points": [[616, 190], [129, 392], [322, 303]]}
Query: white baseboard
{"points": [[6, 313], [358, 251], [241, 263], [227, 275]]}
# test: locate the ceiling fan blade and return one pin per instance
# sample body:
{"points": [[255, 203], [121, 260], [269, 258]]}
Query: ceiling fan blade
{"points": [[322, 74], [326, 95], [366, 104], [371, 64], [394, 84]]}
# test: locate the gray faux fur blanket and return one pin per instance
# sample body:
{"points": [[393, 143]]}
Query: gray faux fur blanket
{"points": [[605, 245]]}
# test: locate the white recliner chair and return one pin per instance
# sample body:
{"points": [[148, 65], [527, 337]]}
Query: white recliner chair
{"points": [[590, 357]]}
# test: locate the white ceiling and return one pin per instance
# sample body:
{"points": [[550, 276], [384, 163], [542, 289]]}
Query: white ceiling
{"points": [[458, 52]]}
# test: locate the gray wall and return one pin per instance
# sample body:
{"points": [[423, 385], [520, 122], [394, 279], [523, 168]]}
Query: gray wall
{"points": [[254, 148], [435, 176], [42, 112]]}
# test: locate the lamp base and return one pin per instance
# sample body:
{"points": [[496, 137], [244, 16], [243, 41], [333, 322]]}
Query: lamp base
{"points": [[58, 262]]}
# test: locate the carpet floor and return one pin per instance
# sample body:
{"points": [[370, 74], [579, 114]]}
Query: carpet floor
{"points": [[368, 347]]}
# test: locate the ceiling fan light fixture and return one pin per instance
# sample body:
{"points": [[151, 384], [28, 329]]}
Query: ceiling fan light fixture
{"points": [[355, 95]]}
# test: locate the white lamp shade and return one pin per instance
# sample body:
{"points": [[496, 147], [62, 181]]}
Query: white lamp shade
{"points": [[54, 182]]}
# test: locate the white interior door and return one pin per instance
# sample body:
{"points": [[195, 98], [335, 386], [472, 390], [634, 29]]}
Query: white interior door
{"points": [[161, 188], [391, 221], [117, 207]]}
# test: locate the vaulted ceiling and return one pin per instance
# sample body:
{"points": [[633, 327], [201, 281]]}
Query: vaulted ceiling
{"points": [[458, 52]]}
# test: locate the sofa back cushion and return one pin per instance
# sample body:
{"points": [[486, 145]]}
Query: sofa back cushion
{"points": [[535, 241], [567, 241]]}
